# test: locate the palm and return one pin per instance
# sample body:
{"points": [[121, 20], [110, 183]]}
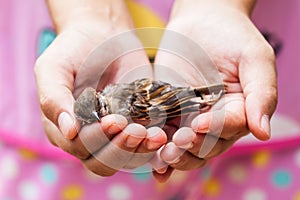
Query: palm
{"points": [[229, 45]]}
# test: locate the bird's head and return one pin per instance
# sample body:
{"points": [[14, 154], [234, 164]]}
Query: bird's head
{"points": [[86, 106]]}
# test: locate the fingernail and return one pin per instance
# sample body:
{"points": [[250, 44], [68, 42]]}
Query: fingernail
{"points": [[136, 133], [265, 124], [113, 124], [175, 160], [184, 138], [162, 170], [153, 145], [65, 123], [132, 142], [197, 126], [153, 131], [154, 141], [113, 129], [186, 146], [194, 125]]}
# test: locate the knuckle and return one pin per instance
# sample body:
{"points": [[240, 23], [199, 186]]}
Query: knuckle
{"points": [[272, 95], [263, 49], [184, 164], [106, 173], [73, 148], [49, 128], [46, 104], [45, 101], [101, 171], [77, 152]]}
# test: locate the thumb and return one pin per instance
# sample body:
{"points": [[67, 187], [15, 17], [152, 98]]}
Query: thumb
{"points": [[259, 81], [55, 85]]}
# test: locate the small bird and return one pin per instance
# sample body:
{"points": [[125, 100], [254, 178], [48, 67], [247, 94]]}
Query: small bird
{"points": [[145, 101]]}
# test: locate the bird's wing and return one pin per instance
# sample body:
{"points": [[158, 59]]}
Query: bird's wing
{"points": [[178, 101]]}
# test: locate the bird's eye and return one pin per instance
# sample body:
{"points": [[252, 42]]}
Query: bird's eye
{"points": [[97, 103]]}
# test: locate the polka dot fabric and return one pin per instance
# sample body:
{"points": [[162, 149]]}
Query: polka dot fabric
{"points": [[229, 177], [239, 177], [40, 178]]}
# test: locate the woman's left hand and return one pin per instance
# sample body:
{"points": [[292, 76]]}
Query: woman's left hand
{"points": [[246, 64]]}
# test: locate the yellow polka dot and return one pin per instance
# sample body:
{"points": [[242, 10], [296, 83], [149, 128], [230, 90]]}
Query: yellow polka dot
{"points": [[72, 192], [261, 159], [297, 196], [28, 154], [160, 187], [212, 187]]}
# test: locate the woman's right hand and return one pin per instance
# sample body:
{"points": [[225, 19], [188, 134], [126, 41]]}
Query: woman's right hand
{"points": [[72, 61]]}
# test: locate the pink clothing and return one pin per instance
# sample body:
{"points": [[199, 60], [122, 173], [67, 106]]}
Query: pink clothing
{"points": [[31, 168]]}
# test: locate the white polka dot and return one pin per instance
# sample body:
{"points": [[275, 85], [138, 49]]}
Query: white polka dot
{"points": [[119, 192], [254, 193], [9, 168], [237, 173], [297, 158], [29, 190]]}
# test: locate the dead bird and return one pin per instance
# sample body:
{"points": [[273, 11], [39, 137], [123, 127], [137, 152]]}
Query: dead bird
{"points": [[145, 100]]}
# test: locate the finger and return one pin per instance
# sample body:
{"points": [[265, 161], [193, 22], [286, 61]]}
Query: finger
{"points": [[227, 123], [171, 153], [97, 135], [259, 81], [158, 165], [145, 152], [184, 138], [188, 162], [116, 154], [180, 159], [162, 178], [155, 138], [200, 145], [74, 147], [207, 146], [55, 77], [91, 137], [114, 123]]}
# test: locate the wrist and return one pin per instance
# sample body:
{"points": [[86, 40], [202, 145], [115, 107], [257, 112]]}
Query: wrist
{"points": [[245, 6], [90, 14], [214, 6]]}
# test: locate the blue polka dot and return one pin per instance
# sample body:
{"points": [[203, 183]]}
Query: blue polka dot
{"points": [[46, 37], [205, 173], [281, 178], [48, 174], [142, 173]]}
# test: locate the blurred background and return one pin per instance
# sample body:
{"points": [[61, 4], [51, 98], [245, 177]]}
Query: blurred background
{"points": [[26, 30]]}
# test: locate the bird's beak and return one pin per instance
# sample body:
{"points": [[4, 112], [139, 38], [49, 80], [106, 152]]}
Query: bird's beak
{"points": [[96, 115]]}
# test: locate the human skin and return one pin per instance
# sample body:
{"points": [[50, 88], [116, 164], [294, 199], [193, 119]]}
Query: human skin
{"points": [[246, 64], [81, 26], [243, 57]]}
